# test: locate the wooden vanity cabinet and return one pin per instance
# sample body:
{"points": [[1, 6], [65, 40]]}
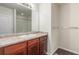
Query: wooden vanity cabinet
{"points": [[37, 46], [16, 49], [43, 45], [33, 47]]}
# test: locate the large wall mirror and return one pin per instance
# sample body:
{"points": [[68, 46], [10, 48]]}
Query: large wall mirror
{"points": [[17, 18]]}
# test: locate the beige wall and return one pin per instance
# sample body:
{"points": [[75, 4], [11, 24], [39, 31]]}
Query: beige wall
{"points": [[64, 23], [74, 33], [55, 26], [69, 21]]}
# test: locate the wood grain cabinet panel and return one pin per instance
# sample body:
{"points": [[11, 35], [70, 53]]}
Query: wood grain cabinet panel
{"points": [[1, 51], [43, 45], [33, 47], [17, 49]]}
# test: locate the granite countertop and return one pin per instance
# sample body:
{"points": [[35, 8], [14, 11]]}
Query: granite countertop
{"points": [[16, 39]]}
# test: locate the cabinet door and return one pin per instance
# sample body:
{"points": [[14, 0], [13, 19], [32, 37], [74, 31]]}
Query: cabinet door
{"points": [[17, 49], [33, 47], [43, 45], [1, 51]]}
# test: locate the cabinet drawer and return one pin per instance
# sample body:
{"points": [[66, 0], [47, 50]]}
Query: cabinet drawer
{"points": [[15, 48]]}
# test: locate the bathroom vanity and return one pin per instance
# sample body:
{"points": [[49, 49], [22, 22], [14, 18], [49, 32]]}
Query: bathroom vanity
{"points": [[31, 44]]}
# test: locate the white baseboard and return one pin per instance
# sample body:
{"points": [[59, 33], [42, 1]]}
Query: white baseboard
{"points": [[69, 50], [51, 52]]}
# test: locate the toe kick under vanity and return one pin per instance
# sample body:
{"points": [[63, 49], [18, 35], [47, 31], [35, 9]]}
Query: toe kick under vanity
{"points": [[30, 44]]}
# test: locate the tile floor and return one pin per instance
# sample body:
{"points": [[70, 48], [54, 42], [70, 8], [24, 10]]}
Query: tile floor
{"points": [[63, 52]]}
